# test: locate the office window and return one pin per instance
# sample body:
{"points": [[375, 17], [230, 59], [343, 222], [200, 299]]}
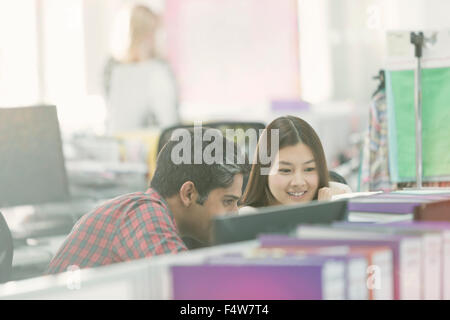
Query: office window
{"points": [[18, 53], [65, 66]]}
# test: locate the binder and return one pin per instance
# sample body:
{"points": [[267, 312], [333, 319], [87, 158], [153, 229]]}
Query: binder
{"points": [[356, 264], [387, 260], [444, 229], [406, 250], [381, 257], [431, 252], [435, 129], [239, 278]]}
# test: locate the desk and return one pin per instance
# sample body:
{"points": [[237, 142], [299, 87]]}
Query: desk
{"points": [[31, 260], [39, 231]]}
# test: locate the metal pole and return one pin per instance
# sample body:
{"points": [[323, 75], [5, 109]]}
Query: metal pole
{"points": [[417, 40]]}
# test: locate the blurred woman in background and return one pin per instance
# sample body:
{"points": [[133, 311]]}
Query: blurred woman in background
{"points": [[139, 85]]}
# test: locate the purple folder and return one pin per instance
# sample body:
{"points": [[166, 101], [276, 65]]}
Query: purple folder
{"points": [[306, 258], [242, 279], [399, 203], [383, 207]]}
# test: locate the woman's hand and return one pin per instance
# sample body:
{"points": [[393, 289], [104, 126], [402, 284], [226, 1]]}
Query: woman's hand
{"points": [[325, 193], [335, 188]]}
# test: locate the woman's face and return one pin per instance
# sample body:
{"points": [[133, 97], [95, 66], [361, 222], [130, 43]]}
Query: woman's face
{"points": [[293, 176]]}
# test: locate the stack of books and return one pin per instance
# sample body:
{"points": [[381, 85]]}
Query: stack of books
{"points": [[401, 261], [393, 206]]}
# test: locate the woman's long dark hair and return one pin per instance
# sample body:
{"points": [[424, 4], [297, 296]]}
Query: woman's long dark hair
{"points": [[292, 130]]}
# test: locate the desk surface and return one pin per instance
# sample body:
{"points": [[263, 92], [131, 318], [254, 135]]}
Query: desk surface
{"points": [[30, 260]]}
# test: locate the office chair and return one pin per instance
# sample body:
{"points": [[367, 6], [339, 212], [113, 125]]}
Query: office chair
{"points": [[6, 251], [220, 125], [336, 177]]}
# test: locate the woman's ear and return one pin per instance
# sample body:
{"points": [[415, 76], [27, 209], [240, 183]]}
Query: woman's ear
{"points": [[188, 193]]}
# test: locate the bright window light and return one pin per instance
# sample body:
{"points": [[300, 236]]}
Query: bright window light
{"points": [[18, 53]]}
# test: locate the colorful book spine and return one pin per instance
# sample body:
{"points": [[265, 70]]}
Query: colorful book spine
{"points": [[379, 280], [383, 207], [406, 255], [431, 246], [380, 273], [444, 229]]}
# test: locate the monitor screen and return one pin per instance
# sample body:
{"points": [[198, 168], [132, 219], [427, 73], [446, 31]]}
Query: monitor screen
{"points": [[32, 169], [276, 219]]}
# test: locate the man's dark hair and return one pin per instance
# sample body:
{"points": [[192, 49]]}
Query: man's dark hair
{"points": [[169, 176]]}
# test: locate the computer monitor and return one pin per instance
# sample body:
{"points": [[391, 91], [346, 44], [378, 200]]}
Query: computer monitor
{"points": [[276, 219], [32, 169]]}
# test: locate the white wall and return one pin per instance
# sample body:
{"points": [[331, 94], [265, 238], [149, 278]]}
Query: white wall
{"points": [[341, 48], [18, 53], [342, 43], [315, 50]]}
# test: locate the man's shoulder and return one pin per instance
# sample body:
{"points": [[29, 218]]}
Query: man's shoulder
{"points": [[149, 202], [130, 201], [145, 210]]}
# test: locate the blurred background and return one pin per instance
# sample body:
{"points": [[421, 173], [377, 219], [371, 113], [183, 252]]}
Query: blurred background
{"points": [[231, 60], [210, 61]]}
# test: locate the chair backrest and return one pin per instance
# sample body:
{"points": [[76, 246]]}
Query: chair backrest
{"points": [[166, 134], [336, 177], [6, 251], [222, 125]]}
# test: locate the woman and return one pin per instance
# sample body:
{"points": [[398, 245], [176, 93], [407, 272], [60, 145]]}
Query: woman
{"points": [[139, 86], [298, 172]]}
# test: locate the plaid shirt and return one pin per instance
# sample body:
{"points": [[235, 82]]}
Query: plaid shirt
{"points": [[128, 227]]}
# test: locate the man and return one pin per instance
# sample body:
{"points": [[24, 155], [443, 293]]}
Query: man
{"points": [[182, 199]]}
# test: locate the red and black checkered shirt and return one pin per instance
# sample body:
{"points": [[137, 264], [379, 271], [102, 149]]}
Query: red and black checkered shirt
{"points": [[128, 227]]}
